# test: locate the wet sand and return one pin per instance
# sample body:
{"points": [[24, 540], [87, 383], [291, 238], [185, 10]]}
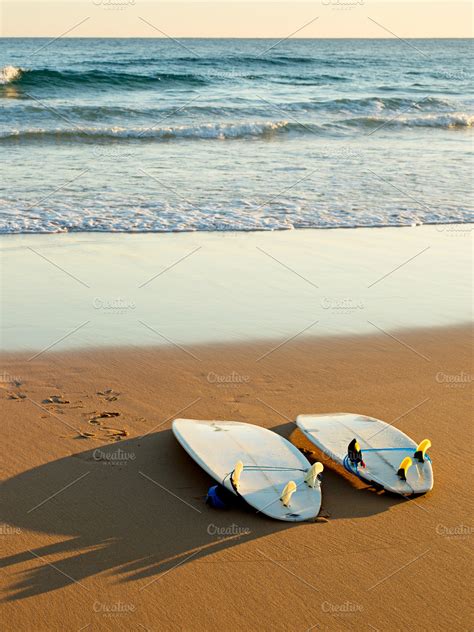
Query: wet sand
{"points": [[91, 290], [103, 522]]}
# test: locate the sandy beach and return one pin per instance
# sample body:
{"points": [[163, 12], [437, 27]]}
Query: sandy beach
{"points": [[104, 525]]}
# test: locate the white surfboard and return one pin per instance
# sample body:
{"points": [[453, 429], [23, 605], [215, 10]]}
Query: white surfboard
{"points": [[255, 463], [392, 460]]}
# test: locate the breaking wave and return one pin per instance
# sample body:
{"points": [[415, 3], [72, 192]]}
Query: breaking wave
{"points": [[220, 131]]}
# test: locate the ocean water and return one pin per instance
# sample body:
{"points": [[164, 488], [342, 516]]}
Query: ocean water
{"points": [[144, 135]]}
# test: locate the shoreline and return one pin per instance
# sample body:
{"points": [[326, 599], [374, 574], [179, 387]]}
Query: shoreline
{"points": [[239, 231], [96, 486], [259, 345]]}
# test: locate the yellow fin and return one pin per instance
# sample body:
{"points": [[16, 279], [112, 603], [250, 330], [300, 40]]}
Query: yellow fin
{"points": [[235, 478], [311, 477], [287, 493], [421, 450], [404, 467]]}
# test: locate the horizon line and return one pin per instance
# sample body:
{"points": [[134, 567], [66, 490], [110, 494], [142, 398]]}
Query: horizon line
{"points": [[194, 37]]}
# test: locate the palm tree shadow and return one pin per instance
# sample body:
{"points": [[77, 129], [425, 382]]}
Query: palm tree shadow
{"points": [[135, 508]]}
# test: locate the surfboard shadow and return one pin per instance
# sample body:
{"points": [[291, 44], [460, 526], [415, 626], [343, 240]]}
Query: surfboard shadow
{"points": [[134, 508]]}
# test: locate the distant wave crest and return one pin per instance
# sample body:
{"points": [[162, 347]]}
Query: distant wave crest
{"points": [[204, 131], [44, 77], [449, 120], [236, 129]]}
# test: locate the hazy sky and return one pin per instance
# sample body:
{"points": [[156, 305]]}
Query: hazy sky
{"points": [[226, 18]]}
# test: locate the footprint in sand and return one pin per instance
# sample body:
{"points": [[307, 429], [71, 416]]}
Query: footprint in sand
{"points": [[114, 434], [55, 399], [16, 396], [95, 419], [109, 394], [6, 383]]}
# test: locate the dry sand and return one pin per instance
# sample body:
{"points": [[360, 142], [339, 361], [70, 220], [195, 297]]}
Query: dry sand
{"points": [[103, 522]]}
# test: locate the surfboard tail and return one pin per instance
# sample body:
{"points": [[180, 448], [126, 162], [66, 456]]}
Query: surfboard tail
{"points": [[313, 473], [421, 450], [404, 467], [287, 493]]}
